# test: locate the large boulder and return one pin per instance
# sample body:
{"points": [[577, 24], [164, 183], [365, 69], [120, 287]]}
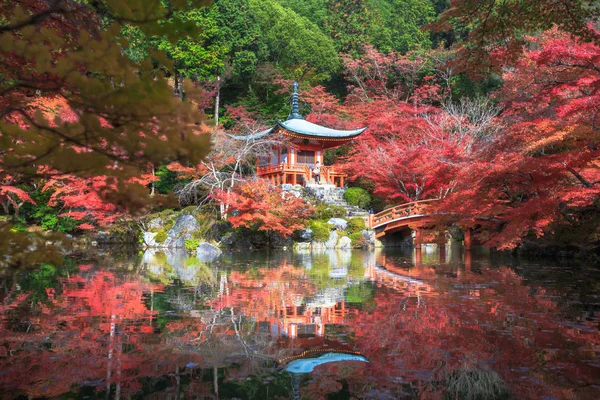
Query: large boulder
{"points": [[183, 224], [304, 235], [369, 236], [156, 223], [333, 239], [177, 242], [344, 243], [339, 223], [149, 240], [206, 252]]}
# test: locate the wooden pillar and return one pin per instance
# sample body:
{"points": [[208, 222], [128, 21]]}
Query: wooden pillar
{"points": [[418, 257], [468, 260], [278, 156], [418, 238], [294, 179], [370, 221], [341, 180], [284, 177], [468, 239]]}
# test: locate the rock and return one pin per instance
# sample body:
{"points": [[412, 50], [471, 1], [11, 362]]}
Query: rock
{"points": [[177, 242], [369, 236], [206, 252], [228, 239], [149, 240], [302, 246], [305, 235], [319, 246], [339, 223], [333, 239], [344, 243], [184, 224], [378, 244], [156, 223]]}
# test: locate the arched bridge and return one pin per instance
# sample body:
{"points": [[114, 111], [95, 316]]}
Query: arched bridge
{"points": [[412, 216], [402, 216]]}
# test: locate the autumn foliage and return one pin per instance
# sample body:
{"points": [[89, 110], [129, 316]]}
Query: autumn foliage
{"points": [[258, 205]]}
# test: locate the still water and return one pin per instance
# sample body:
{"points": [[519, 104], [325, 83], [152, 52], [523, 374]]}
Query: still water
{"points": [[334, 325]]}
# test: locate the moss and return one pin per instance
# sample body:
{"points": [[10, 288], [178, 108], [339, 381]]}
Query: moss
{"points": [[161, 236], [320, 231], [356, 225], [169, 224], [191, 210], [192, 244], [166, 213], [357, 197]]}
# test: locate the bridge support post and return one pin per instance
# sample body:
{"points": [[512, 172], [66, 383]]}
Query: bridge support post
{"points": [[468, 239], [370, 221], [418, 239], [468, 261]]}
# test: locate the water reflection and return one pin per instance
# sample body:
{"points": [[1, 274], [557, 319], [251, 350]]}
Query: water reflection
{"points": [[432, 324]]}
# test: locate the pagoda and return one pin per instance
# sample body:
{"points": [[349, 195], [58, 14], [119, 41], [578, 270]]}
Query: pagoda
{"points": [[294, 163]]}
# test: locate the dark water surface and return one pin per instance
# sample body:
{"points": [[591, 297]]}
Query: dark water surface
{"points": [[432, 326]]}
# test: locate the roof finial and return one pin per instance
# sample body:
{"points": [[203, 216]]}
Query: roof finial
{"points": [[295, 111]]}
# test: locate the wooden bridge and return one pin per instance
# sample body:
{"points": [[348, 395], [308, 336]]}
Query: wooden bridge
{"points": [[413, 216]]}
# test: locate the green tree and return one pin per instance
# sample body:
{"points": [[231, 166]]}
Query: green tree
{"points": [[295, 44]]}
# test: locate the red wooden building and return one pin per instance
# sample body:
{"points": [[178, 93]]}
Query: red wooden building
{"points": [[294, 163]]}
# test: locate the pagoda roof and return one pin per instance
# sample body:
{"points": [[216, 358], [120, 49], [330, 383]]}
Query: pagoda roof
{"points": [[304, 128], [300, 128]]}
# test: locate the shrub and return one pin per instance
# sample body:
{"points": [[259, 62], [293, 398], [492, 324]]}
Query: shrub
{"points": [[357, 197], [192, 244], [161, 236], [356, 225], [358, 240], [320, 231], [325, 212]]}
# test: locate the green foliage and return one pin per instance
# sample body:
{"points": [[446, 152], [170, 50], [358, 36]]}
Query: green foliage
{"points": [[325, 212], [358, 240], [357, 197], [359, 293], [356, 225], [192, 244], [161, 236], [167, 180], [295, 43], [320, 230]]}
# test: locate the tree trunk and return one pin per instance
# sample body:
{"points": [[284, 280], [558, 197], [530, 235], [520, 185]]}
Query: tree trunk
{"points": [[217, 100]]}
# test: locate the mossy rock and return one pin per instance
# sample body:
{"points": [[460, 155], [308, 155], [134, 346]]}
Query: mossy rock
{"points": [[161, 236]]}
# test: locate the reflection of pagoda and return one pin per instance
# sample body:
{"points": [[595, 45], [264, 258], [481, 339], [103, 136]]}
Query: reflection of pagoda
{"points": [[294, 162], [283, 303]]}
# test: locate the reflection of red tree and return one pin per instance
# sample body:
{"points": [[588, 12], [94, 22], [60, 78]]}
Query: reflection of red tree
{"points": [[503, 324], [97, 330]]}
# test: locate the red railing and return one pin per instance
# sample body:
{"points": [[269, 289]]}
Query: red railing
{"points": [[401, 211], [328, 173]]}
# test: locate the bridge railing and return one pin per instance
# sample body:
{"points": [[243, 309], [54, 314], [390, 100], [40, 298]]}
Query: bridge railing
{"points": [[401, 211]]}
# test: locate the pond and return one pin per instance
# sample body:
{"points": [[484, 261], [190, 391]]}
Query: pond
{"points": [[389, 324]]}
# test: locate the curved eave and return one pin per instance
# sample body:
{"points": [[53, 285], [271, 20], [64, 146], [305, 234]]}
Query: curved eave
{"points": [[254, 136], [307, 130]]}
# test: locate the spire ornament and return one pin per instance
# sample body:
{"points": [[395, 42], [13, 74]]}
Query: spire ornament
{"points": [[295, 111]]}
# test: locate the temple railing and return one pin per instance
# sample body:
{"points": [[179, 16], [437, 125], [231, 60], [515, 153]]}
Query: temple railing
{"points": [[329, 174]]}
